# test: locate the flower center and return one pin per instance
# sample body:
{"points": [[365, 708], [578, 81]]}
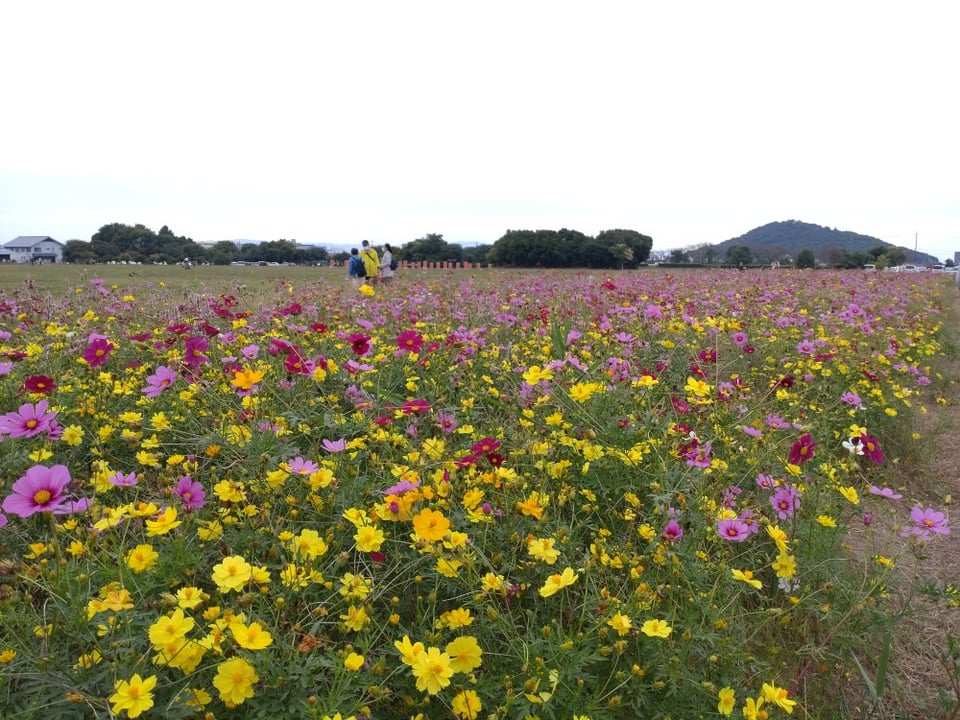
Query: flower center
{"points": [[41, 497]]}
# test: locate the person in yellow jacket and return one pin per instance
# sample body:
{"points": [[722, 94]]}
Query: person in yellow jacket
{"points": [[371, 262]]}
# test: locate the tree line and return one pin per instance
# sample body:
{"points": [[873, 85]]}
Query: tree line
{"points": [[117, 242]]}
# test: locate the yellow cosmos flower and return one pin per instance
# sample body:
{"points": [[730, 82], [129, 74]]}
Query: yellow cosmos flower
{"points": [[353, 662], [535, 374], [367, 290], [621, 623], [465, 654], [141, 558], [232, 573], [656, 628], [432, 670], [368, 538], [747, 577], [170, 628], [728, 700], [778, 696], [135, 696], [162, 523], [779, 537], [752, 709], [466, 705], [234, 681], [246, 378], [826, 521], [850, 493], [430, 525], [408, 651], [557, 582], [785, 566], [250, 637], [581, 392], [542, 549]]}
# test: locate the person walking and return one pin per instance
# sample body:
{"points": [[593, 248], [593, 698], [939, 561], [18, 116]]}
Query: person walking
{"points": [[371, 262], [387, 264]]}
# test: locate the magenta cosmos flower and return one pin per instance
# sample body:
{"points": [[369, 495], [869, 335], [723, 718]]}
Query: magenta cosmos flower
{"points": [[97, 351], [410, 341], [41, 489], [871, 448], [28, 421], [40, 384], [802, 449], [194, 349]]}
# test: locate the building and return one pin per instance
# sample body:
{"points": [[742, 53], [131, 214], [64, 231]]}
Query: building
{"points": [[32, 249]]}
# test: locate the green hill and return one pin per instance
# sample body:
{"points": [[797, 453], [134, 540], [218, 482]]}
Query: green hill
{"points": [[775, 240]]}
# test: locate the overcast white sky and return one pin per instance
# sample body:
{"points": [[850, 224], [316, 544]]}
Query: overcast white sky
{"points": [[329, 122]]}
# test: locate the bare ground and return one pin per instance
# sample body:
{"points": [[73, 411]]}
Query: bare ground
{"points": [[921, 682]]}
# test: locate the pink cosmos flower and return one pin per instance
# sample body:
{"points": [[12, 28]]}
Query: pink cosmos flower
{"points": [[927, 522], [41, 489], [447, 421], [765, 481], [884, 492], [28, 421], [118, 479], [191, 493], [851, 398], [733, 529], [672, 532], [335, 446], [98, 350], [785, 500], [163, 378], [401, 487], [302, 466]]}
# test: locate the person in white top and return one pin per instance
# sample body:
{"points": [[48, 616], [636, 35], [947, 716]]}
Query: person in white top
{"points": [[386, 263]]}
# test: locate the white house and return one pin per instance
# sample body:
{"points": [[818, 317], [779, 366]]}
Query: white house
{"points": [[32, 249]]}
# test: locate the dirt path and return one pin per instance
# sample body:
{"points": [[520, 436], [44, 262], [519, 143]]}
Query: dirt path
{"points": [[918, 676]]}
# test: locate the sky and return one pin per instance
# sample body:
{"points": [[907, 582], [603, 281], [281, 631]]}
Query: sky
{"points": [[330, 122]]}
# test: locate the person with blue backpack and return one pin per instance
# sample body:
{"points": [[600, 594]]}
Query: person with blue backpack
{"points": [[356, 270]]}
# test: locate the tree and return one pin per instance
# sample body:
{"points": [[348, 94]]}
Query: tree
{"points": [[739, 255], [431, 248], [836, 257], [78, 252], [622, 252], [678, 256], [639, 243], [806, 259]]}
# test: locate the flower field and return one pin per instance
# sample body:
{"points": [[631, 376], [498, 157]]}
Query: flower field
{"points": [[502, 495]]}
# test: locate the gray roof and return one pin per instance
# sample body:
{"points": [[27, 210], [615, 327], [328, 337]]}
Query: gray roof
{"points": [[29, 241]]}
